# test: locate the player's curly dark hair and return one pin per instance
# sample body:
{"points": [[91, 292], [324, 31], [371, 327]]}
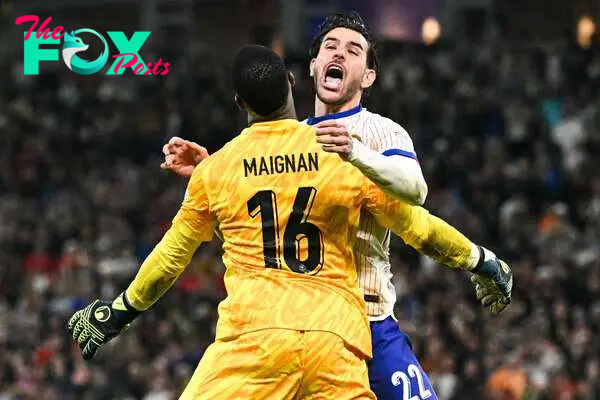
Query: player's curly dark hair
{"points": [[350, 20], [260, 79]]}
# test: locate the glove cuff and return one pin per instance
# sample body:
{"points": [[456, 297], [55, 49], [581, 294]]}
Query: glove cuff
{"points": [[480, 261], [484, 267], [488, 264], [124, 312]]}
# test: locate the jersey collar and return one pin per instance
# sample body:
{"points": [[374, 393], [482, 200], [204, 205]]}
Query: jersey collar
{"points": [[341, 114], [274, 126]]}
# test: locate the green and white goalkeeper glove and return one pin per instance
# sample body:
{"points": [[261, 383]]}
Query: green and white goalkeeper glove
{"points": [[493, 282], [99, 322]]}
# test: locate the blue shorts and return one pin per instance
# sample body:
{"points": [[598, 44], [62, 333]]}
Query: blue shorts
{"points": [[394, 372]]}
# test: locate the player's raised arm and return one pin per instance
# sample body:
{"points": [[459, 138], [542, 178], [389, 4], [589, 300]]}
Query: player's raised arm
{"points": [[396, 171], [437, 239], [101, 321], [182, 157]]}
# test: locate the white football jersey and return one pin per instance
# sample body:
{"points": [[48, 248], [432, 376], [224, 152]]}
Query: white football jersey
{"points": [[372, 249]]}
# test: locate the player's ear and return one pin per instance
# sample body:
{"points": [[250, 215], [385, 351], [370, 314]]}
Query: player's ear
{"points": [[311, 68], [368, 78]]}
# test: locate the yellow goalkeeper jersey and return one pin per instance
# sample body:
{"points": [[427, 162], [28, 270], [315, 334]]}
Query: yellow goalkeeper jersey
{"points": [[289, 214]]}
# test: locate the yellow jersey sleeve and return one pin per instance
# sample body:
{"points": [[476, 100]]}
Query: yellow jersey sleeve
{"points": [[193, 224], [195, 216], [419, 229], [162, 267]]}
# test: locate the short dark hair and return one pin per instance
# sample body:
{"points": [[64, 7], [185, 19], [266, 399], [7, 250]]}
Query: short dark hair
{"points": [[260, 79], [350, 20]]}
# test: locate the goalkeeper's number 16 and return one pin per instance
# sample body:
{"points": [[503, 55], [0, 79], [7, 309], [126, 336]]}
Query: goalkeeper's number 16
{"points": [[264, 203]]}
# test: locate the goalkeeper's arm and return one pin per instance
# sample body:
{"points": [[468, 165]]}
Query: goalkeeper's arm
{"points": [[437, 239], [101, 321], [162, 267]]}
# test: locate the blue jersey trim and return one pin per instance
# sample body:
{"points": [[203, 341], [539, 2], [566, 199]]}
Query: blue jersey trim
{"points": [[341, 114], [398, 152]]}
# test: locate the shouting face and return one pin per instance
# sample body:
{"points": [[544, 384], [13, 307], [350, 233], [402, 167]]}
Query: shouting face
{"points": [[340, 70]]}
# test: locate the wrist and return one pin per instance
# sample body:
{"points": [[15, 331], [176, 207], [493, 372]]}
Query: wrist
{"points": [[124, 312], [484, 267], [358, 151]]}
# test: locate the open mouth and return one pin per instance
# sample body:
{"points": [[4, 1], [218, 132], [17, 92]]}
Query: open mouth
{"points": [[334, 76]]}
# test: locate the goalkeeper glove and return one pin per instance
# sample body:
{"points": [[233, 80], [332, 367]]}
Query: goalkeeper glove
{"points": [[493, 281], [99, 322]]}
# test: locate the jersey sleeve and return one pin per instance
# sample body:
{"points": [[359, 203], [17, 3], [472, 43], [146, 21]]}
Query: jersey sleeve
{"points": [[398, 176], [419, 229], [162, 267], [391, 139], [194, 216], [193, 224]]}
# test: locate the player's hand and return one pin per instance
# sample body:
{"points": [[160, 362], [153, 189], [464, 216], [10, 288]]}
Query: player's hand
{"points": [[98, 323], [493, 282], [334, 138], [182, 156]]}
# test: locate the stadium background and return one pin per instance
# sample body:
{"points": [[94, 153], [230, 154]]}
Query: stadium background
{"points": [[503, 110]]}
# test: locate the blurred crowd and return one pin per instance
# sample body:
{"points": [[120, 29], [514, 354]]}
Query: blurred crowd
{"points": [[506, 135]]}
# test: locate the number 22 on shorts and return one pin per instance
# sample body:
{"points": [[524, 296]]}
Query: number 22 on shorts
{"points": [[401, 378]]}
